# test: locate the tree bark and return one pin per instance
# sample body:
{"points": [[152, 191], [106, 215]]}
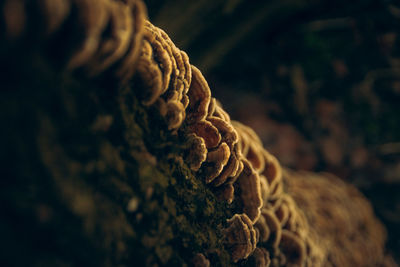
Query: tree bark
{"points": [[91, 177]]}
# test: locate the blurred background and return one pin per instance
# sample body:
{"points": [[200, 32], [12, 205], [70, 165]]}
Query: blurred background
{"points": [[318, 80]]}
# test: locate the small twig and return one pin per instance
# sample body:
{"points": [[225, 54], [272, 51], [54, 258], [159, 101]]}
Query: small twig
{"points": [[389, 148], [326, 24]]}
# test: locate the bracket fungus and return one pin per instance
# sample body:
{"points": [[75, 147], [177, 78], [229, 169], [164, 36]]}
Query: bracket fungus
{"points": [[240, 236], [248, 184], [216, 161], [170, 75], [199, 97], [261, 257], [208, 132], [342, 220], [269, 228], [251, 146], [229, 156], [293, 248], [196, 152], [105, 36], [279, 218], [199, 260]]}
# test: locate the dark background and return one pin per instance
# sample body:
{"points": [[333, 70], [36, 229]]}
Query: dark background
{"points": [[318, 80]]}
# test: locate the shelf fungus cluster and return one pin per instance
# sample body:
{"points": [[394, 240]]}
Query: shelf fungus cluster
{"points": [[104, 38], [283, 237], [280, 218], [165, 71], [342, 220], [220, 162], [269, 228]]}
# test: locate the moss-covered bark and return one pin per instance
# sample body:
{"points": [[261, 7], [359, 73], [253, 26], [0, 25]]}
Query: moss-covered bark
{"points": [[91, 177]]}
